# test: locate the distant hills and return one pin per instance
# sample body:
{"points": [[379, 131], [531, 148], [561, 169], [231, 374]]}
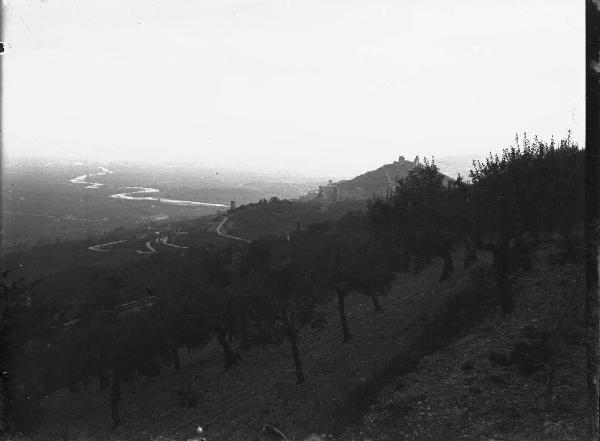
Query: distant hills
{"points": [[372, 182], [376, 181]]}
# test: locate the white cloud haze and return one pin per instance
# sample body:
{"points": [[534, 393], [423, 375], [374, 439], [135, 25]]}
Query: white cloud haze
{"points": [[321, 87]]}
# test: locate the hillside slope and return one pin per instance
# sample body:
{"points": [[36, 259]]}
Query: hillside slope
{"points": [[262, 389], [281, 217], [377, 181], [492, 382], [423, 369]]}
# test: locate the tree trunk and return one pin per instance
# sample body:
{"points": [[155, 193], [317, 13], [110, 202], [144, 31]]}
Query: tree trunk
{"points": [[470, 253], [592, 209], [74, 388], [104, 381], [231, 358], [448, 266], [293, 338], [115, 397], [524, 257], [569, 245], [343, 322], [376, 304], [175, 355], [553, 363], [85, 383], [245, 343], [419, 264], [4, 405], [505, 296]]}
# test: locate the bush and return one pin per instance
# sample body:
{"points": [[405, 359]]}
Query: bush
{"points": [[356, 401], [468, 366], [499, 359], [464, 308], [532, 356]]}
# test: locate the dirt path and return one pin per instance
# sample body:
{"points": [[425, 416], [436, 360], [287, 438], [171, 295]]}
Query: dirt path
{"points": [[390, 181]]}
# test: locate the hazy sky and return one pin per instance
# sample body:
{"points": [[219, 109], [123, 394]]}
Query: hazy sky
{"points": [[320, 87]]}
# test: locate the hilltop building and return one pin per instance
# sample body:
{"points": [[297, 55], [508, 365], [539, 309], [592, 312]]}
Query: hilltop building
{"points": [[329, 192], [372, 182]]}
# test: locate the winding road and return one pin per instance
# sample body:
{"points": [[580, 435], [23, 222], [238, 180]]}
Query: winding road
{"points": [[151, 250], [102, 246], [150, 247], [220, 232], [164, 240]]}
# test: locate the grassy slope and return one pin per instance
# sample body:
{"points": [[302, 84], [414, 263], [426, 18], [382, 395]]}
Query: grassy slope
{"points": [[263, 388], [280, 217], [454, 393], [444, 397], [376, 181], [458, 393]]}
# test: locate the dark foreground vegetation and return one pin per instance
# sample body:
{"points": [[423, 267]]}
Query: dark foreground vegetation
{"points": [[469, 246]]}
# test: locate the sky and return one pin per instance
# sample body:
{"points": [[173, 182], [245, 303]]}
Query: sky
{"points": [[317, 87]]}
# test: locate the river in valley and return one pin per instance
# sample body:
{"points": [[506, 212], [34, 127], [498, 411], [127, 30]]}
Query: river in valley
{"points": [[137, 193]]}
